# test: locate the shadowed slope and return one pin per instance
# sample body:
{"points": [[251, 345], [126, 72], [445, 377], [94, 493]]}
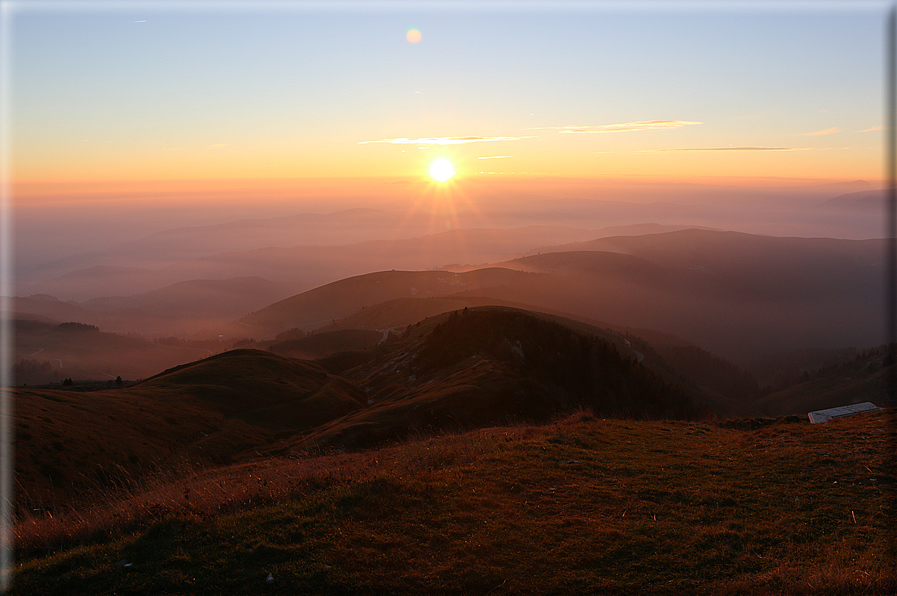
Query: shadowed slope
{"points": [[866, 377], [262, 388], [485, 366], [322, 344]]}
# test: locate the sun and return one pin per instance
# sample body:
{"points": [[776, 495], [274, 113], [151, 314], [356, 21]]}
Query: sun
{"points": [[441, 170]]}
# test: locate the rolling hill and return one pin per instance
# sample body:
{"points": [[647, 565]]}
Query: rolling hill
{"points": [[468, 369], [318, 307], [488, 365], [212, 411], [738, 295], [270, 391], [866, 377], [766, 267], [867, 200]]}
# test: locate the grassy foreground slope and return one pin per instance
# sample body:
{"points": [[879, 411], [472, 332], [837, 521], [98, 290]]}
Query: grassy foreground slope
{"points": [[580, 506], [214, 411]]}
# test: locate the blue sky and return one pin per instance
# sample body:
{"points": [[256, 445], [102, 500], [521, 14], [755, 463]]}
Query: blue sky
{"points": [[157, 91]]}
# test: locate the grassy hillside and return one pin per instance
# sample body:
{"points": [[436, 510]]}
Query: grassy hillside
{"points": [[465, 370], [261, 388], [214, 411], [68, 443], [400, 312], [584, 505], [468, 369], [489, 365], [325, 343], [866, 377]]}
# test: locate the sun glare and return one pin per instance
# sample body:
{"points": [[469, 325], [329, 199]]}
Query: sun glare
{"points": [[441, 170]]}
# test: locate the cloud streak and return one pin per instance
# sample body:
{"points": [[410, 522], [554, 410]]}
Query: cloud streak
{"points": [[628, 126], [828, 131], [442, 140], [733, 149], [874, 128]]}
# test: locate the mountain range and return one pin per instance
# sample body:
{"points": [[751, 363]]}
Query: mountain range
{"points": [[464, 369]]}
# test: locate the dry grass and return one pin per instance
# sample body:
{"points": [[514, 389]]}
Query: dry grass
{"points": [[193, 491], [580, 506]]}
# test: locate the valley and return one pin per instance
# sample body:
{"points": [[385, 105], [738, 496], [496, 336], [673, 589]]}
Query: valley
{"points": [[660, 328], [640, 321]]}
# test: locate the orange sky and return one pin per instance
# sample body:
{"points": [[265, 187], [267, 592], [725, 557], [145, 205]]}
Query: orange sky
{"points": [[205, 102]]}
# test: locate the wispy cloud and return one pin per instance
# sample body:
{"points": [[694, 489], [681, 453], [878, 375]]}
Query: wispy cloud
{"points": [[628, 126], [828, 131], [442, 140], [495, 156], [732, 149], [873, 129]]}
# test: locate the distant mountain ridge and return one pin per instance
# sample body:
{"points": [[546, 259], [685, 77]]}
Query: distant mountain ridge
{"points": [[738, 295], [340, 299], [179, 309], [284, 257], [864, 199]]}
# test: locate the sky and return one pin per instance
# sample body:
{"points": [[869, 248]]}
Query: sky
{"points": [[119, 95]]}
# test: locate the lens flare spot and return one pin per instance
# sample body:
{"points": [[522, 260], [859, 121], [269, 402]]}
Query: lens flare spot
{"points": [[441, 170], [413, 36]]}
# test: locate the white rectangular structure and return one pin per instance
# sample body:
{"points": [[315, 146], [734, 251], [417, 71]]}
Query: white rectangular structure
{"points": [[841, 411]]}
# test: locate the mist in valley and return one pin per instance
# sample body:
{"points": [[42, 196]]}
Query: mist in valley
{"points": [[742, 271]]}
